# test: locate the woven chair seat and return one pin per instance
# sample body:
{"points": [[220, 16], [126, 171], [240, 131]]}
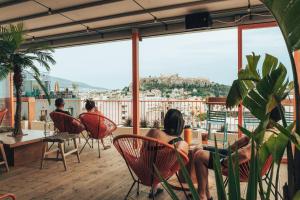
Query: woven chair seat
{"points": [[60, 137]]}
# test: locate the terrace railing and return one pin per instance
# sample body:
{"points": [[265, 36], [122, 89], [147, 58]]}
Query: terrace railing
{"points": [[194, 111]]}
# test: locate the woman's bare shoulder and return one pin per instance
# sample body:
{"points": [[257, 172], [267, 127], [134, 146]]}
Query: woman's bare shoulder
{"points": [[156, 133]]}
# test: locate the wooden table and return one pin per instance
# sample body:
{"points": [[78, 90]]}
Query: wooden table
{"points": [[24, 149]]}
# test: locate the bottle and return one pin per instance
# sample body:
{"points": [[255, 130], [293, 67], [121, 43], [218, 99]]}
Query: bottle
{"points": [[188, 134]]}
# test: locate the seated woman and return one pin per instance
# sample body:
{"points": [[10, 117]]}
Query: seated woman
{"points": [[173, 127], [90, 106], [203, 159]]}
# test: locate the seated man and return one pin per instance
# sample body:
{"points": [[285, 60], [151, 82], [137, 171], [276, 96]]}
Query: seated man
{"points": [[60, 105], [203, 159]]}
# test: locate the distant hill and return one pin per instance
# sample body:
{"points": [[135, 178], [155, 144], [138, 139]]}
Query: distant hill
{"points": [[172, 85], [65, 83]]}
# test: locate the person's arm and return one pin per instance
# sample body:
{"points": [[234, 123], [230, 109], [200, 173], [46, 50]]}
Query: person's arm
{"points": [[243, 141], [183, 146]]}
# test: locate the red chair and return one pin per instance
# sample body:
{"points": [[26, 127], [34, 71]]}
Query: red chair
{"points": [[7, 196], [244, 170], [142, 153], [2, 115], [97, 126], [66, 123]]}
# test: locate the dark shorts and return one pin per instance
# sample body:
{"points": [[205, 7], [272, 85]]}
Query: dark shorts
{"points": [[212, 150]]}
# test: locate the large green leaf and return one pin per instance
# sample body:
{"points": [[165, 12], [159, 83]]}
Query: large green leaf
{"points": [[234, 192], [270, 63], [186, 176], [287, 15], [165, 184], [218, 174], [253, 179]]}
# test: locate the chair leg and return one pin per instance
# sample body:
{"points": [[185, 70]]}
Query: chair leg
{"points": [[86, 142], [138, 187], [152, 192], [77, 152], [62, 152], [134, 182], [57, 155], [4, 157], [99, 148], [185, 194], [44, 150]]}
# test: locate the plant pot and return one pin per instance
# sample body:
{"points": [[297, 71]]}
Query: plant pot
{"points": [[24, 124]]}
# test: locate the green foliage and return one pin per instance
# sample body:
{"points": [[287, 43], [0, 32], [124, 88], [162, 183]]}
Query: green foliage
{"points": [[144, 123], [202, 116], [156, 124], [187, 178], [255, 90], [12, 56], [128, 122], [200, 90], [286, 14]]}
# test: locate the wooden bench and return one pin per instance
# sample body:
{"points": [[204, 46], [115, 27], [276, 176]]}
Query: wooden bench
{"points": [[3, 155], [60, 139]]}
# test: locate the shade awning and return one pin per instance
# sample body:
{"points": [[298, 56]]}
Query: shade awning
{"points": [[71, 22]]}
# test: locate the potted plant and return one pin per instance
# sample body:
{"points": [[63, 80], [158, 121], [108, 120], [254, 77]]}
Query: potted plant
{"points": [[15, 59], [24, 122]]}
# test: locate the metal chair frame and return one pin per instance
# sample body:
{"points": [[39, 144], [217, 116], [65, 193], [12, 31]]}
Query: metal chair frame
{"points": [[88, 130], [136, 180], [265, 175], [217, 118]]}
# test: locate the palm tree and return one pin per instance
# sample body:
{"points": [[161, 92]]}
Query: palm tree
{"points": [[17, 60]]}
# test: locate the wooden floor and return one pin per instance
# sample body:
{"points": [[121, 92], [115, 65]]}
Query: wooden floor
{"points": [[106, 178]]}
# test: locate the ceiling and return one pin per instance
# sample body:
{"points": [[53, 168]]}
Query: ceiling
{"points": [[74, 22]]}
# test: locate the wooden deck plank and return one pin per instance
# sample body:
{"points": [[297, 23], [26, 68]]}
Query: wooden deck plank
{"points": [[106, 178]]}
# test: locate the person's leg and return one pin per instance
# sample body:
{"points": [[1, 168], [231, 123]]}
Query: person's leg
{"points": [[201, 160], [104, 146]]}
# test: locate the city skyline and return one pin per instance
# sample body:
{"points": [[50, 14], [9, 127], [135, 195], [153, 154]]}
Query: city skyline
{"points": [[108, 65]]}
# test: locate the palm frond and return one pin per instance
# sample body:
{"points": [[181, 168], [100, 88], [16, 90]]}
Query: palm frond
{"points": [[43, 88], [4, 72]]}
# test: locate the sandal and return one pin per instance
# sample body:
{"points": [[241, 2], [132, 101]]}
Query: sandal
{"points": [[106, 147], [158, 191]]}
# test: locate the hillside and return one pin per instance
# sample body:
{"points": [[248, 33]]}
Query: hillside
{"points": [[174, 84], [65, 83]]}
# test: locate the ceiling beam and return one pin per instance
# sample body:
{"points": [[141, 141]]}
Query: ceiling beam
{"points": [[146, 32], [58, 11], [12, 3], [126, 14], [228, 15]]}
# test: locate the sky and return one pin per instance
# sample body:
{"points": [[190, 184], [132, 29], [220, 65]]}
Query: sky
{"points": [[209, 54]]}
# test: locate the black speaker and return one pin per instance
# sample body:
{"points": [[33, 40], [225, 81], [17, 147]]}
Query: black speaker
{"points": [[198, 20]]}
